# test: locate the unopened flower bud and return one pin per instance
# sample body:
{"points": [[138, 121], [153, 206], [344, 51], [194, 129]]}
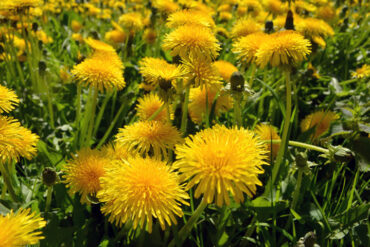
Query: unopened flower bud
{"points": [[269, 27], [165, 84], [289, 22], [237, 82], [49, 176]]}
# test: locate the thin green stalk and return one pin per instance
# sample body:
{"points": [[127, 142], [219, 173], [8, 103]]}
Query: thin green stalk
{"points": [[186, 229], [297, 189], [8, 183], [48, 198], [253, 68], [156, 113], [113, 123], [92, 116], [288, 111], [301, 145], [237, 111], [184, 118], [100, 114]]}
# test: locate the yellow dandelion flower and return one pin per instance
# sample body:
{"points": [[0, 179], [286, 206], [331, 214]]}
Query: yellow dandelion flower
{"points": [[8, 100], [225, 16], [362, 72], [321, 120], [165, 6], [98, 45], [15, 140], [19, 4], [197, 103], [76, 26], [283, 48], [225, 68], [131, 21], [245, 26], [275, 7], [148, 105], [269, 133], [191, 39], [201, 71], [77, 37], [311, 27], [83, 171], [149, 35], [156, 69], [189, 17], [115, 36], [247, 47], [149, 137], [21, 228], [302, 7], [100, 71], [251, 6], [140, 190], [116, 152], [221, 161], [327, 13]]}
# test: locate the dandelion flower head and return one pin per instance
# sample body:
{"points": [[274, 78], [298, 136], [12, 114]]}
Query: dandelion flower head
{"points": [[362, 72], [283, 48], [321, 120], [153, 138], [15, 140], [269, 133], [192, 39], [140, 190], [148, 105], [20, 229], [189, 17], [225, 69], [197, 102], [245, 26], [221, 161], [8, 100], [83, 171], [247, 46]]}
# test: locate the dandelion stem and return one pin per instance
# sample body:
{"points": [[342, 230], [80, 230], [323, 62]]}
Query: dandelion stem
{"points": [[92, 116], [253, 68], [184, 118], [186, 229], [301, 145], [297, 189], [8, 183], [48, 198], [113, 123], [285, 138], [156, 113], [237, 111]]}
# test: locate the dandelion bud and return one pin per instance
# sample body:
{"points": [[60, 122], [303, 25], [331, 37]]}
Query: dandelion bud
{"points": [[165, 84], [42, 67], [49, 176], [1, 49], [35, 26], [301, 160], [289, 22], [237, 82], [269, 27]]}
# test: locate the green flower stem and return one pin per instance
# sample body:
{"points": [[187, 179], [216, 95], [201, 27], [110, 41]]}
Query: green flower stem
{"points": [[100, 114], [184, 118], [48, 198], [92, 116], [301, 145], [113, 123], [7, 181], [253, 68], [297, 189], [288, 111], [156, 113], [186, 229], [237, 111]]}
